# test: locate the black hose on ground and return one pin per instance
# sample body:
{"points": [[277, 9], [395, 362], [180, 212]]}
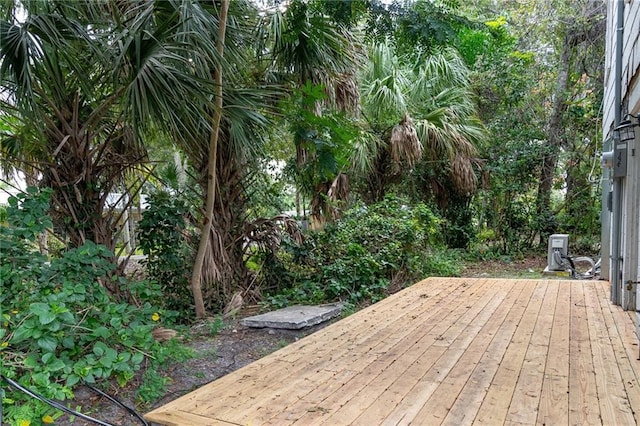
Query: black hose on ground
{"points": [[59, 406]]}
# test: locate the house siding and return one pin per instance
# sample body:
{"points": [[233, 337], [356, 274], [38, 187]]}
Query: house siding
{"points": [[629, 185], [630, 62]]}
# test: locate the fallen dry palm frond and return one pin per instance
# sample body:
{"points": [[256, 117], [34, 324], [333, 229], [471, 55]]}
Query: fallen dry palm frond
{"points": [[232, 308], [162, 334], [405, 146]]}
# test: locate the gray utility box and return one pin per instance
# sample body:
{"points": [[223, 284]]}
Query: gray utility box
{"points": [[557, 242]]}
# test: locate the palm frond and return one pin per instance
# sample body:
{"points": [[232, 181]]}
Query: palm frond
{"points": [[385, 85], [346, 94], [463, 175], [307, 45], [16, 50], [405, 146], [339, 189], [364, 151]]}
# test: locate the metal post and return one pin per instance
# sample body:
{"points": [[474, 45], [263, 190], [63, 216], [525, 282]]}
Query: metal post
{"points": [[617, 181]]}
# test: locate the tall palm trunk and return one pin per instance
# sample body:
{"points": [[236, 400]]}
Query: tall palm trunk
{"points": [[229, 271], [196, 278]]}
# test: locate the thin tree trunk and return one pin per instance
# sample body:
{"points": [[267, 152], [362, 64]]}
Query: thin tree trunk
{"points": [[554, 138], [196, 278]]}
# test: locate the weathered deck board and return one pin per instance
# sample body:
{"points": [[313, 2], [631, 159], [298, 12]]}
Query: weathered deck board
{"points": [[554, 400], [583, 398], [451, 351]]}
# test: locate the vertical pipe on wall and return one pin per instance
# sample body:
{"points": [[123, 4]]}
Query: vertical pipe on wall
{"points": [[616, 218]]}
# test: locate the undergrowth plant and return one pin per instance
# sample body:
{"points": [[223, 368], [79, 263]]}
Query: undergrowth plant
{"points": [[372, 250], [166, 241], [60, 326]]}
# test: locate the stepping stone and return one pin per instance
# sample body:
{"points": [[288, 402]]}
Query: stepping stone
{"points": [[294, 317]]}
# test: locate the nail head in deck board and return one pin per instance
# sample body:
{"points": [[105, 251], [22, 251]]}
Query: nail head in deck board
{"points": [[413, 347]]}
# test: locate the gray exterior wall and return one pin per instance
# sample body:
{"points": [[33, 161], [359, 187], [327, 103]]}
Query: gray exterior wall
{"points": [[629, 184]]}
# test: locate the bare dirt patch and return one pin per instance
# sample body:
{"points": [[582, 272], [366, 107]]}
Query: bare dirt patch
{"points": [[214, 354], [528, 267]]}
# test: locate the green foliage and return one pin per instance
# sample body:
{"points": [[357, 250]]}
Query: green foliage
{"points": [[62, 327], [326, 138], [154, 380], [167, 241], [417, 27], [508, 205], [131, 76], [344, 12], [358, 257], [154, 385], [215, 326], [269, 193], [517, 58]]}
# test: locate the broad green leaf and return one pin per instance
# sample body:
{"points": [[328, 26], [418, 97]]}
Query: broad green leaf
{"points": [[56, 365], [21, 334], [41, 379], [72, 380], [43, 311], [99, 348], [31, 362], [47, 343], [137, 358], [68, 342], [102, 332]]}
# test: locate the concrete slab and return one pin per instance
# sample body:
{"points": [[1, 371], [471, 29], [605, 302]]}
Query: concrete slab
{"points": [[294, 317]]}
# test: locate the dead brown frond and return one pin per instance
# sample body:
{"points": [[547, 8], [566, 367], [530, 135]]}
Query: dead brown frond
{"points": [[347, 95], [266, 233], [405, 146], [479, 165], [339, 189], [337, 195], [162, 334], [463, 175], [216, 255], [236, 303]]}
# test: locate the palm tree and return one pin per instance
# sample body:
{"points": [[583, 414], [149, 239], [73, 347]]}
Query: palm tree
{"points": [[417, 113], [224, 152], [87, 81], [307, 50]]}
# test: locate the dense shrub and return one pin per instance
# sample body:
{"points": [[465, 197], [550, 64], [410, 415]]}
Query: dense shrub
{"points": [[60, 326], [167, 241], [372, 250]]}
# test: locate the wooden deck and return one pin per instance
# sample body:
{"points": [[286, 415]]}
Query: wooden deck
{"points": [[450, 351]]}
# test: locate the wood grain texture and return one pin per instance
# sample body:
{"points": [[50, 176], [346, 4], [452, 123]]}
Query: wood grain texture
{"points": [[452, 351]]}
